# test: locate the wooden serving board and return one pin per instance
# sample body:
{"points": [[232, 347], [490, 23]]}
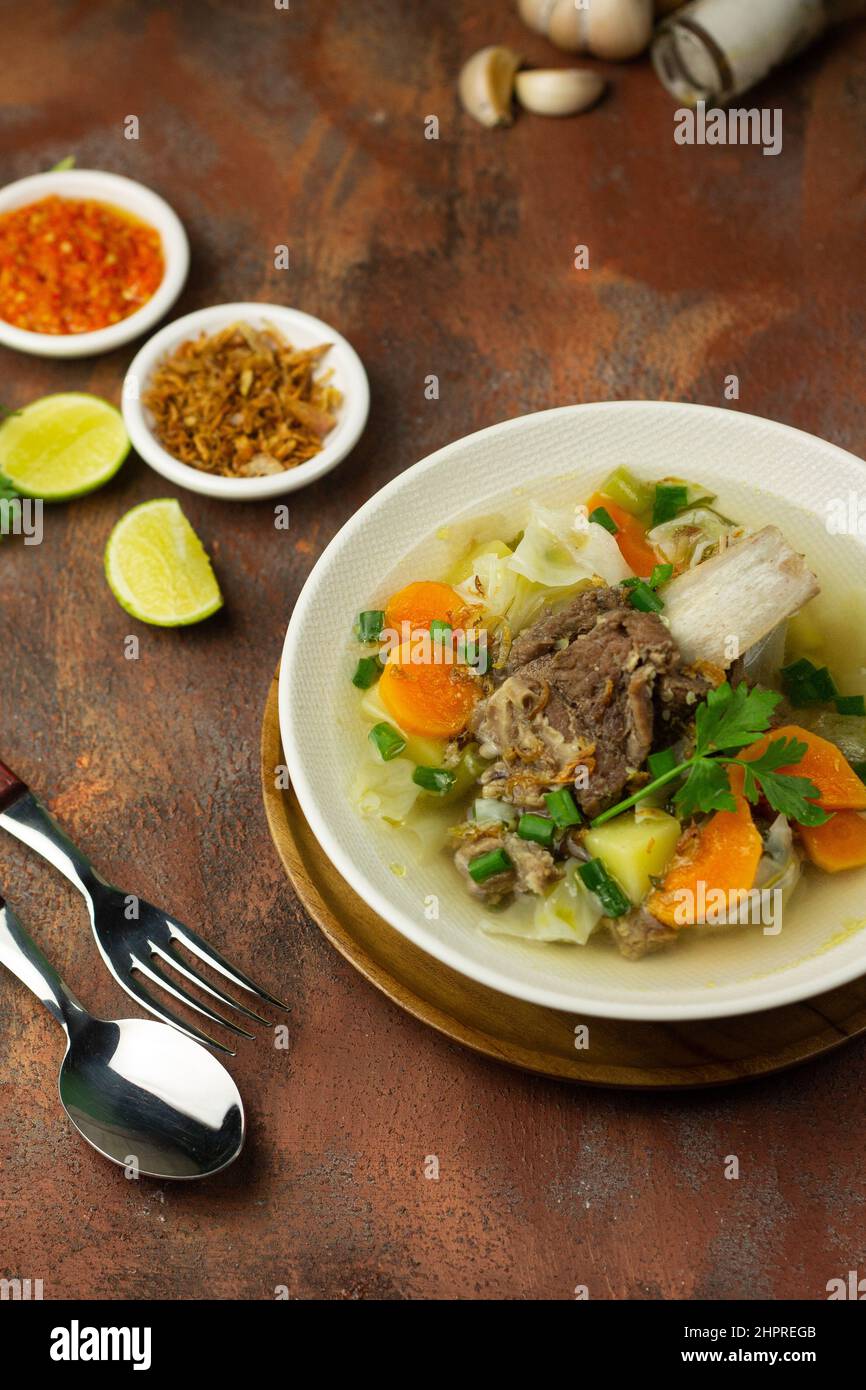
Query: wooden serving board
{"points": [[638, 1055]]}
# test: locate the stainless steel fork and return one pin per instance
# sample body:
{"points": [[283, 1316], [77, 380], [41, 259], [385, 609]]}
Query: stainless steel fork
{"points": [[135, 939]]}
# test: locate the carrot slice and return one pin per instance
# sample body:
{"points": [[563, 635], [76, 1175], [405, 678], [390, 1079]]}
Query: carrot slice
{"points": [[421, 603], [823, 763], [630, 536], [724, 855], [427, 696], [840, 843]]}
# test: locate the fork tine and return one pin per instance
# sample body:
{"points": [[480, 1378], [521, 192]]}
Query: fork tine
{"points": [[200, 948], [159, 977], [196, 978], [146, 1000]]}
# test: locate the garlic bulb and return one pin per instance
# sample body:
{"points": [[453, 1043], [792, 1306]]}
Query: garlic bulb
{"points": [[536, 13], [567, 27], [613, 29], [619, 29], [486, 85], [558, 91]]}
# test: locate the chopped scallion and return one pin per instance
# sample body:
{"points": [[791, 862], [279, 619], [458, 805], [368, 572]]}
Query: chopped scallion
{"points": [[369, 626], [434, 779], [536, 828], [668, 501], [798, 670], [660, 575], [485, 866], [642, 597], [807, 684], [597, 879], [825, 686], [367, 672], [602, 517], [563, 808], [440, 631], [387, 741]]}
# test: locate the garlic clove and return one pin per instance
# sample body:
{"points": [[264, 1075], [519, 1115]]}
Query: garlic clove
{"points": [[558, 91], [486, 85], [619, 29]]}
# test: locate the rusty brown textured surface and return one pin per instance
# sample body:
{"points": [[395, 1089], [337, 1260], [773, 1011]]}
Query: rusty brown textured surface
{"points": [[452, 257]]}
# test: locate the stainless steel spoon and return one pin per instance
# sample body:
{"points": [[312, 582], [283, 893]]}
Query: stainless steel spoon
{"points": [[142, 1093]]}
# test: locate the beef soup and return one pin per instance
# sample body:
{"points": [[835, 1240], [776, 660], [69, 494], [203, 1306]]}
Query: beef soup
{"points": [[615, 723]]}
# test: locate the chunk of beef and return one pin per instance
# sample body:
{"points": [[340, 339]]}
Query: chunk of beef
{"points": [[535, 866], [477, 839], [676, 695], [638, 933], [572, 621], [584, 714], [533, 870]]}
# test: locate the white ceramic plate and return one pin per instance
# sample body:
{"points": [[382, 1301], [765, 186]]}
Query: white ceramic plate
{"points": [[303, 331], [763, 472], [132, 197]]}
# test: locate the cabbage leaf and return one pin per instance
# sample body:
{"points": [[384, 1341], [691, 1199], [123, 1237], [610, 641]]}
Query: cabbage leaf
{"points": [[559, 549]]}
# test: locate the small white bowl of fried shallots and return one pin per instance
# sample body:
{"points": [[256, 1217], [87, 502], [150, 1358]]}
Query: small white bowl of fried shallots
{"points": [[245, 401]]}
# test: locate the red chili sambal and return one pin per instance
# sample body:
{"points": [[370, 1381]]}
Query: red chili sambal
{"points": [[72, 265]]}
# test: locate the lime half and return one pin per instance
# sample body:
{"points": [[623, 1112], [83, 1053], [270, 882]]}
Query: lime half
{"points": [[62, 446], [158, 569]]}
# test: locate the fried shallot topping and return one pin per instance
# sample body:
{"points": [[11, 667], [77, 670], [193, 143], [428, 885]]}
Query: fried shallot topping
{"points": [[242, 402]]}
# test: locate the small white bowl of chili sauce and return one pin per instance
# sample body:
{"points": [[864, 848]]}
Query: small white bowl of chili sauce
{"points": [[88, 261]]}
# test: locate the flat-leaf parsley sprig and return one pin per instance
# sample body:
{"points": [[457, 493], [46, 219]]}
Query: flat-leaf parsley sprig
{"points": [[727, 721]]}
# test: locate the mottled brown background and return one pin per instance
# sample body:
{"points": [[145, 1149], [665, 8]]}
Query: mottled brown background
{"points": [[453, 257]]}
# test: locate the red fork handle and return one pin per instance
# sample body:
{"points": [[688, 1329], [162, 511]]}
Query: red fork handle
{"points": [[11, 787]]}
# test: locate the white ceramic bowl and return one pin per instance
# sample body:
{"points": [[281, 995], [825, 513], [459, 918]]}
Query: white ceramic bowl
{"points": [[303, 331], [132, 197], [762, 472]]}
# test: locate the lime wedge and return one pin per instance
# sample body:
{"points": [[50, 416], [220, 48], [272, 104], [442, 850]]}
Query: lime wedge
{"points": [[157, 567], [62, 446]]}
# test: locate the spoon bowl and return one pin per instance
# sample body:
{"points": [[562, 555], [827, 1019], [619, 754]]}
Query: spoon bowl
{"points": [[149, 1098], [141, 1093]]}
